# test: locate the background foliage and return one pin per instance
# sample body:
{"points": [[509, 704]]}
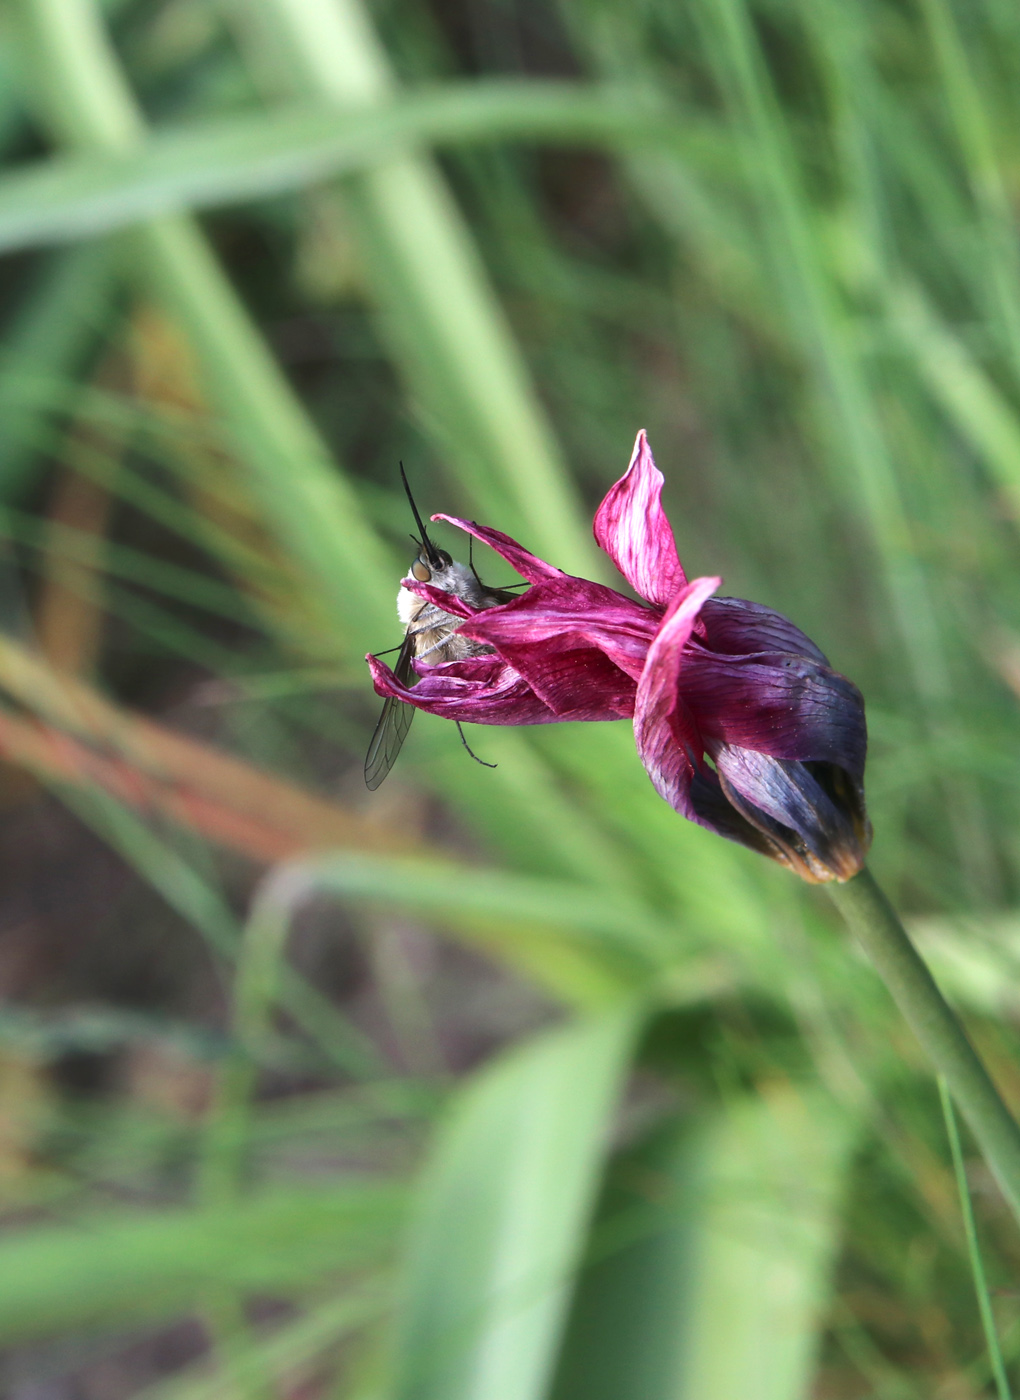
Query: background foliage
{"points": [[492, 1084]]}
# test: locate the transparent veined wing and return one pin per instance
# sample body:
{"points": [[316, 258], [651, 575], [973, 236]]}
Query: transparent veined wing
{"points": [[394, 722]]}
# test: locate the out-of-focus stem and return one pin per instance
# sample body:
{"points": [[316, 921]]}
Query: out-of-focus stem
{"points": [[878, 929]]}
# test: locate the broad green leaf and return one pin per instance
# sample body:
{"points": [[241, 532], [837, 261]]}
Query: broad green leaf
{"points": [[502, 1218], [107, 1268], [711, 1259]]}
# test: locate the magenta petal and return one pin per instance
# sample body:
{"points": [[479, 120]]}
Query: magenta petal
{"points": [[482, 690], [667, 741], [448, 602], [528, 565], [568, 614], [631, 526], [576, 682]]}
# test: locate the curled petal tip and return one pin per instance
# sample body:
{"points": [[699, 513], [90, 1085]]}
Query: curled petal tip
{"points": [[631, 526]]}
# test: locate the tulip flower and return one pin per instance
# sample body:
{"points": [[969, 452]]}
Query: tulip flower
{"points": [[739, 719]]}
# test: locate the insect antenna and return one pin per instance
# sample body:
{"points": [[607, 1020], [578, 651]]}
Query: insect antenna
{"points": [[471, 566], [470, 750], [432, 554]]}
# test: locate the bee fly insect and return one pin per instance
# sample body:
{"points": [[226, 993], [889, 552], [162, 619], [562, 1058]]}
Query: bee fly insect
{"points": [[430, 634]]}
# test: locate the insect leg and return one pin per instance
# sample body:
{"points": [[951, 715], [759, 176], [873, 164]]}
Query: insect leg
{"points": [[470, 750]]}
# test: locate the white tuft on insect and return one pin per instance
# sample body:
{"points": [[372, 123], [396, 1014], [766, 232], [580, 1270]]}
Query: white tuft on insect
{"points": [[430, 634]]}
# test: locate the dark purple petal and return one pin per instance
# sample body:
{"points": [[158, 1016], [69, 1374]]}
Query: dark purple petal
{"points": [[737, 628], [713, 810], [528, 565], [568, 614], [631, 526], [812, 812], [667, 741], [777, 704], [481, 690]]}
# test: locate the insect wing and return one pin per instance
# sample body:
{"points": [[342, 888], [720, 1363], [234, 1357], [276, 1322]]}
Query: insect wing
{"points": [[394, 722]]}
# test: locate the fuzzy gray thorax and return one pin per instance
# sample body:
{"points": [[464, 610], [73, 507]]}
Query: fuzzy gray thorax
{"points": [[434, 631]]}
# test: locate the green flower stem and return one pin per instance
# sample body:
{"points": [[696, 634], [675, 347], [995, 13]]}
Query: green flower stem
{"points": [[873, 920]]}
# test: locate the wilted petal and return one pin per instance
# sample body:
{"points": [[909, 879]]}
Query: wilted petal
{"points": [[448, 602], [812, 812], [631, 526], [568, 614], [783, 705], [528, 565], [713, 810], [667, 741], [575, 682], [738, 628], [481, 690]]}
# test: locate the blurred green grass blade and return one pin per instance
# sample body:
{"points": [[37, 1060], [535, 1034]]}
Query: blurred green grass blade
{"points": [[291, 1347], [711, 1259], [974, 124], [501, 1220], [976, 957], [121, 561], [706, 883], [955, 377], [534, 815], [11, 97], [198, 901], [973, 1245], [446, 327], [588, 946], [225, 160], [823, 328], [305, 502], [64, 316], [112, 1268], [959, 384]]}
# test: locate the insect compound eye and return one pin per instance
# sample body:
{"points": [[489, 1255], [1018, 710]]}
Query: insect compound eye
{"points": [[421, 571]]}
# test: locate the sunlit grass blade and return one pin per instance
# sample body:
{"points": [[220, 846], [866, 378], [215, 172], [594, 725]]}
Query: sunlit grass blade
{"points": [[500, 1223]]}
